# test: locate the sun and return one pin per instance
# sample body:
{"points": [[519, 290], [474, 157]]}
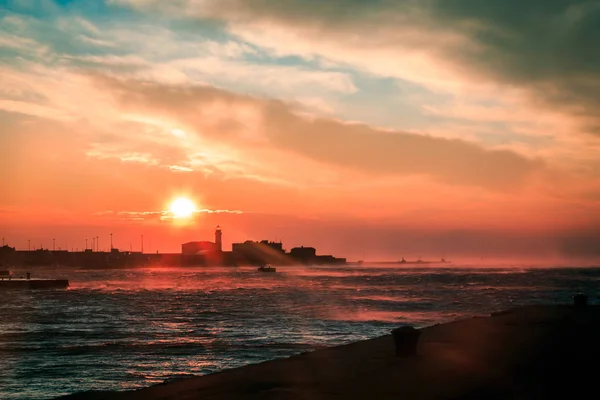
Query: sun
{"points": [[182, 207]]}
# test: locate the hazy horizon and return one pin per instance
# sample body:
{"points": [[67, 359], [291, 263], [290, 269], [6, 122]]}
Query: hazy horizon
{"points": [[368, 130]]}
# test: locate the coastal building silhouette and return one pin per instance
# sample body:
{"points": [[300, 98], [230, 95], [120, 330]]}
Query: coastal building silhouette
{"points": [[308, 255], [196, 253], [303, 253], [258, 253], [7, 255], [218, 239], [204, 247], [198, 248], [204, 252]]}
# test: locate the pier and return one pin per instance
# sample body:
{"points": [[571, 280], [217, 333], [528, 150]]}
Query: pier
{"points": [[6, 283]]}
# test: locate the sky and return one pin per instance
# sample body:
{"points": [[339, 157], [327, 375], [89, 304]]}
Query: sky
{"points": [[368, 129]]}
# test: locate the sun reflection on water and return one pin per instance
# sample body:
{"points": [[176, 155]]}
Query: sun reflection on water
{"points": [[121, 329]]}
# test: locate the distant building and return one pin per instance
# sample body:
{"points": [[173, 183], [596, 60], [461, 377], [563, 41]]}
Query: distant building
{"points": [[328, 260], [308, 255], [6, 249], [218, 239], [249, 246], [263, 252], [204, 252], [7, 255], [303, 253], [204, 247], [192, 253], [198, 248]]}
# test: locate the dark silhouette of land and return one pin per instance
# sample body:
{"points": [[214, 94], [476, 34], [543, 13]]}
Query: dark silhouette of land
{"points": [[197, 253], [535, 352], [417, 262]]}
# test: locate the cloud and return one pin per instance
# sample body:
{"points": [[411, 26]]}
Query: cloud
{"points": [[548, 47], [156, 215], [399, 153], [179, 168], [146, 49], [546, 50], [239, 120], [278, 107]]}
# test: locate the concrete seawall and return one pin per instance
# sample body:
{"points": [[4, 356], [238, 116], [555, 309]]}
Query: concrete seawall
{"points": [[532, 352]]}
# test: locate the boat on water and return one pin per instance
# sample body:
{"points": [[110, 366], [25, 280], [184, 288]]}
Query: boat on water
{"points": [[8, 282], [266, 268], [419, 261]]}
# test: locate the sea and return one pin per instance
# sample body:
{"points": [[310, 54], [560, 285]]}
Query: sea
{"points": [[131, 328]]}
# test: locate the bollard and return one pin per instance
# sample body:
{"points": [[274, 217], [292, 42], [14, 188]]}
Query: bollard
{"points": [[28, 275], [580, 300], [406, 339]]}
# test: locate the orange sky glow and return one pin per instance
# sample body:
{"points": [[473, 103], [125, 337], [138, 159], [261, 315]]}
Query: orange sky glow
{"points": [[428, 136]]}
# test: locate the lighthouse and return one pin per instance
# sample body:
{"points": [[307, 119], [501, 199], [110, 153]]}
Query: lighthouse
{"points": [[218, 239]]}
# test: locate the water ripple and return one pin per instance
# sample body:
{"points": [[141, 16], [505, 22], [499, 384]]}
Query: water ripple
{"points": [[123, 329]]}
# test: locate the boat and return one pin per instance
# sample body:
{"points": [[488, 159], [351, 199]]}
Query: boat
{"points": [[419, 261], [266, 268], [8, 282]]}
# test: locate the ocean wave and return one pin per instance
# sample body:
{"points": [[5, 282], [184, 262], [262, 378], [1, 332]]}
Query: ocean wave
{"points": [[124, 329]]}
